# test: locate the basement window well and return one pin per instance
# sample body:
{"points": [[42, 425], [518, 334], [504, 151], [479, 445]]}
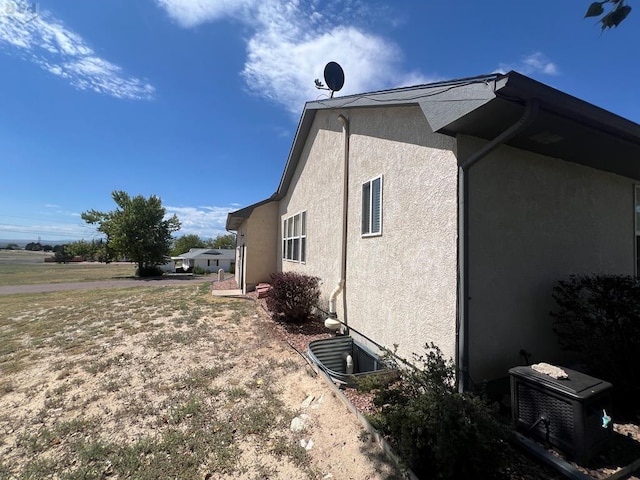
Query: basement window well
{"points": [[345, 360]]}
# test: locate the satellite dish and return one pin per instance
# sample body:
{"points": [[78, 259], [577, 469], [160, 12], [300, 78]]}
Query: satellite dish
{"points": [[333, 77]]}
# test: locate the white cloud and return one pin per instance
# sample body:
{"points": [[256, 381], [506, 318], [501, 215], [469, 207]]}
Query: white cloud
{"points": [[292, 41], [44, 40], [532, 64], [189, 13], [206, 222]]}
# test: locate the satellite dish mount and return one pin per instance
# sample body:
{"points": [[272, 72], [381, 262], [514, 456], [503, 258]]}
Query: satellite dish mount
{"points": [[333, 78]]}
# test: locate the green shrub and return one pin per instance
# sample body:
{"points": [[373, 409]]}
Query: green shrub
{"points": [[598, 318], [293, 296], [437, 431], [149, 271], [198, 270]]}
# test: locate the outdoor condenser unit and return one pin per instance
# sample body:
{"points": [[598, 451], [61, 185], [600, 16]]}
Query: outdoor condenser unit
{"points": [[571, 413]]}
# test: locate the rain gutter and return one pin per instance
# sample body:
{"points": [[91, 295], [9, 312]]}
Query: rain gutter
{"points": [[464, 166]]}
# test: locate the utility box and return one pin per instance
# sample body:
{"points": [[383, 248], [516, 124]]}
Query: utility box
{"points": [[568, 413]]}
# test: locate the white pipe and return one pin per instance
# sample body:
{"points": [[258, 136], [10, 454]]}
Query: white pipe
{"points": [[345, 204], [332, 297]]}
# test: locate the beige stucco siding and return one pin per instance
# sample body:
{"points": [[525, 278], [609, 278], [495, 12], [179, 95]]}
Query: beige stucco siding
{"points": [[400, 286], [535, 220], [258, 235], [317, 188]]}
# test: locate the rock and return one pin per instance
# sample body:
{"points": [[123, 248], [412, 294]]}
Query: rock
{"points": [[307, 402], [318, 401], [299, 423]]}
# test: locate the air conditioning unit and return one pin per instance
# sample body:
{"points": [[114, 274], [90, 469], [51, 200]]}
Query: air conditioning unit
{"points": [[570, 413]]}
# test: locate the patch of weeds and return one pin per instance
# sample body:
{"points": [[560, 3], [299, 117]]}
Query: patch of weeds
{"points": [[55, 401], [61, 389], [37, 442], [93, 451], [285, 447], [76, 382], [77, 425], [5, 472], [104, 365], [178, 453], [200, 377], [262, 472], [258, 419], [6, 386], [192, 407], [237, 317], [364, 436], [236, 393], [38, 468], [112, 386]]}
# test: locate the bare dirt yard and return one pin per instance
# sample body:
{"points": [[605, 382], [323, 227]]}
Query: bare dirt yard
{"points": [[165, 382]]}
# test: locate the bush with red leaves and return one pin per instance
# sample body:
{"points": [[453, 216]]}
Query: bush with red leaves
{"points": [[293, 296]]}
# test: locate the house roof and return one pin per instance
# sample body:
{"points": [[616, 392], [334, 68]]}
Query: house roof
{"points": [[484, 106], [213, 253]]}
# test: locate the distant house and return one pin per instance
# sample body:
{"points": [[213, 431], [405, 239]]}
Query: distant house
{"points": [[447, 212], [209, 259]]}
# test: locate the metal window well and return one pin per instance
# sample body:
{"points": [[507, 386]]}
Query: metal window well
{"points": [[331, 355], [568, 413]]}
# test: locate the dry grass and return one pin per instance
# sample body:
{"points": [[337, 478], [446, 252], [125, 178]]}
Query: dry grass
{"points": [[36, 273], [164, 382], [140, 385]]}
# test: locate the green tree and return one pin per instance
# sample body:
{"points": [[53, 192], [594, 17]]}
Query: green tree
{"points": [[617, 12], [137, 229], [89, 251], [61, 254], [222, 241], [186, 242]]}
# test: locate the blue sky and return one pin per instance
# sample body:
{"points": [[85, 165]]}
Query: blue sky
{"points": [[197, 101]]}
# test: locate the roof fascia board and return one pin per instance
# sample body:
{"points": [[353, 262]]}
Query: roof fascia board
{"points": [[235, 219], [515, 86], [443, 107]]}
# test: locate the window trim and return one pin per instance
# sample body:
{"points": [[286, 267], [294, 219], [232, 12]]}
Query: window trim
{"points": [[366, 229], [294, 241]]}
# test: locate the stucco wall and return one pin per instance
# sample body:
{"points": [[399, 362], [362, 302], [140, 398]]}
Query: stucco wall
{"points": [[317, 188], [401, 286], [259, 235], [533, 221]]}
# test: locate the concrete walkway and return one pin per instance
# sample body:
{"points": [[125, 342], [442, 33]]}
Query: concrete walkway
{"points": [[227, 293]]}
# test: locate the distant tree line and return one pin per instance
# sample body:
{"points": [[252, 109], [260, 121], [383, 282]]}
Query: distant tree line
{"points": [[138, 230]]}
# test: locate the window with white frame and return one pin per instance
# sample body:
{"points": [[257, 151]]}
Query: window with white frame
{"points": [[372, 207], [294, 238]]}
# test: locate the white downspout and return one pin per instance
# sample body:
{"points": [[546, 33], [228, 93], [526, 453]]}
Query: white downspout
{"points": [[332, 322]]}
